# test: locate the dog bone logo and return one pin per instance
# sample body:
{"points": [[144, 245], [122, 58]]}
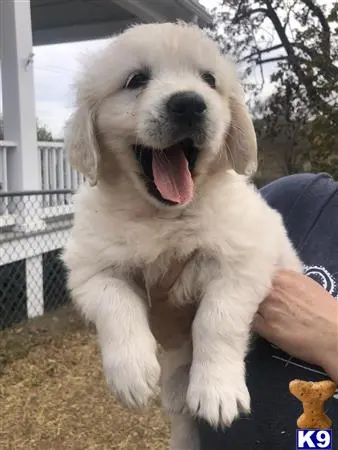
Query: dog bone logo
{"points": [[313, 395]]}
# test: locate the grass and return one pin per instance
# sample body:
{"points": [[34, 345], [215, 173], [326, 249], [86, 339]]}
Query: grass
{"points": [[53, 395]]}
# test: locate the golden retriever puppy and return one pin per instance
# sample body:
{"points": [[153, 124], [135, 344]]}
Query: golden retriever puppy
{"points": [[162, 134]]}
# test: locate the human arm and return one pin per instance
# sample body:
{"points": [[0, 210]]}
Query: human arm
{"points": [[301, 318]]}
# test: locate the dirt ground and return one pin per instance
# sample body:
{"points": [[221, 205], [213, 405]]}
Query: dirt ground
{"points": [[53, 395]]}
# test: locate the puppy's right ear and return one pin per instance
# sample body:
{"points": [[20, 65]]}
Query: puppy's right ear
{"points": [[81, 143], [241, 141]]}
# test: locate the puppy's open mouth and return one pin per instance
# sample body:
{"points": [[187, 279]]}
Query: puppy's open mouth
{"points": [[169, 172]]}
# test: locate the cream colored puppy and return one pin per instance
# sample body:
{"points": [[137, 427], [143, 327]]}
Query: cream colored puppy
{"points": [[162, 134]]}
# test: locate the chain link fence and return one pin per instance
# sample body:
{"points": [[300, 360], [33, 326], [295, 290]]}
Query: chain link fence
{"points": [[34, 227]]}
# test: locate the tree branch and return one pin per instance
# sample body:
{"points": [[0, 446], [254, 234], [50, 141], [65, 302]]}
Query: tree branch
{"points": [[268, 60], [234, 20], [292, 58], [317, 11], [323, 63], [246, 14], [264, 50], [287, 20]]}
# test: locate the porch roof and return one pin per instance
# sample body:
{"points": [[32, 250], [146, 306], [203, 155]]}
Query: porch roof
{"points": [[56, 21]]}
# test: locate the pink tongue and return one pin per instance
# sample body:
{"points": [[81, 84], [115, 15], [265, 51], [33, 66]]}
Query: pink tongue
{"points": [[172, 175]]}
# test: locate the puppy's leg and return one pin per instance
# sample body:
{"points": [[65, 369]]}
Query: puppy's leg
{"points": [[184, 433], [175, 366], [127, 345], [217, 389]]}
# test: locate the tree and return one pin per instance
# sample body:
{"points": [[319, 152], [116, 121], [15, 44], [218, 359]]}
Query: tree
{"points": [[43, 133], [300, 37]]}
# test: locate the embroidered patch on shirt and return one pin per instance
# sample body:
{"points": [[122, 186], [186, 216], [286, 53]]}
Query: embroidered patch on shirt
{"points": [[323, 277]]}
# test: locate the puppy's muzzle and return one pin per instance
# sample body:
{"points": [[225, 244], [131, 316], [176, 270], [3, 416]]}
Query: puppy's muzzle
{"points": [[186, 109]]}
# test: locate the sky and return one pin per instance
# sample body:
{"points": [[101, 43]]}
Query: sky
{"points": [[55, 69]]}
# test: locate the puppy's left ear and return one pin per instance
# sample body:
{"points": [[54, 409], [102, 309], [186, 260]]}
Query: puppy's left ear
{"points": [[241, 143], [81, 143]]}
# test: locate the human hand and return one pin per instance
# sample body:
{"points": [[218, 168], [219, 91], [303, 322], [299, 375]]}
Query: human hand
{"points": [[301, 318]]}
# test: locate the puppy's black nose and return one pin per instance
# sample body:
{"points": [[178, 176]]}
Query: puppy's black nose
{"points": [[186, 106]]}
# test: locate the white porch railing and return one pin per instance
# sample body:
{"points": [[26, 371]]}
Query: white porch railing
{"points": [[5, 147], [56, 175], [56, 172]]}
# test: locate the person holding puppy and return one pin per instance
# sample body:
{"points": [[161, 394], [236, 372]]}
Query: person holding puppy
{"points": [[295, 328]]}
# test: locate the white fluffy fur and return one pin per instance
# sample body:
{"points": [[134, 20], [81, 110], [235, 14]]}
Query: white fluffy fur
{"points": [[120, 232]]}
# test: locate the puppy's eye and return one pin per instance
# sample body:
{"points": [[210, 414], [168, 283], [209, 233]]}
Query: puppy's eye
{"points": [[137, 80], [209, 78]]}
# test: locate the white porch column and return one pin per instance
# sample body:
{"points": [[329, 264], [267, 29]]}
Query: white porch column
{"points": [[18, 95], [34, 283]]}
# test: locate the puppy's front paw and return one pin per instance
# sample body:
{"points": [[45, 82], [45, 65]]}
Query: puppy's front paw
{"points": [[132, 373], [217, 395]]}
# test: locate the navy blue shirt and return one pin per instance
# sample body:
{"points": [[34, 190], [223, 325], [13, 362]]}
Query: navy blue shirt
{"points": [[309, 206]]}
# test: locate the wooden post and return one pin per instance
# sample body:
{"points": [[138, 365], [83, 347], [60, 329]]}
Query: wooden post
{"points": [[23, 164], [18, 95]]}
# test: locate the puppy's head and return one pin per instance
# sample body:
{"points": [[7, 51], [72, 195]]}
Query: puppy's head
{"points": [[162, 109]]}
